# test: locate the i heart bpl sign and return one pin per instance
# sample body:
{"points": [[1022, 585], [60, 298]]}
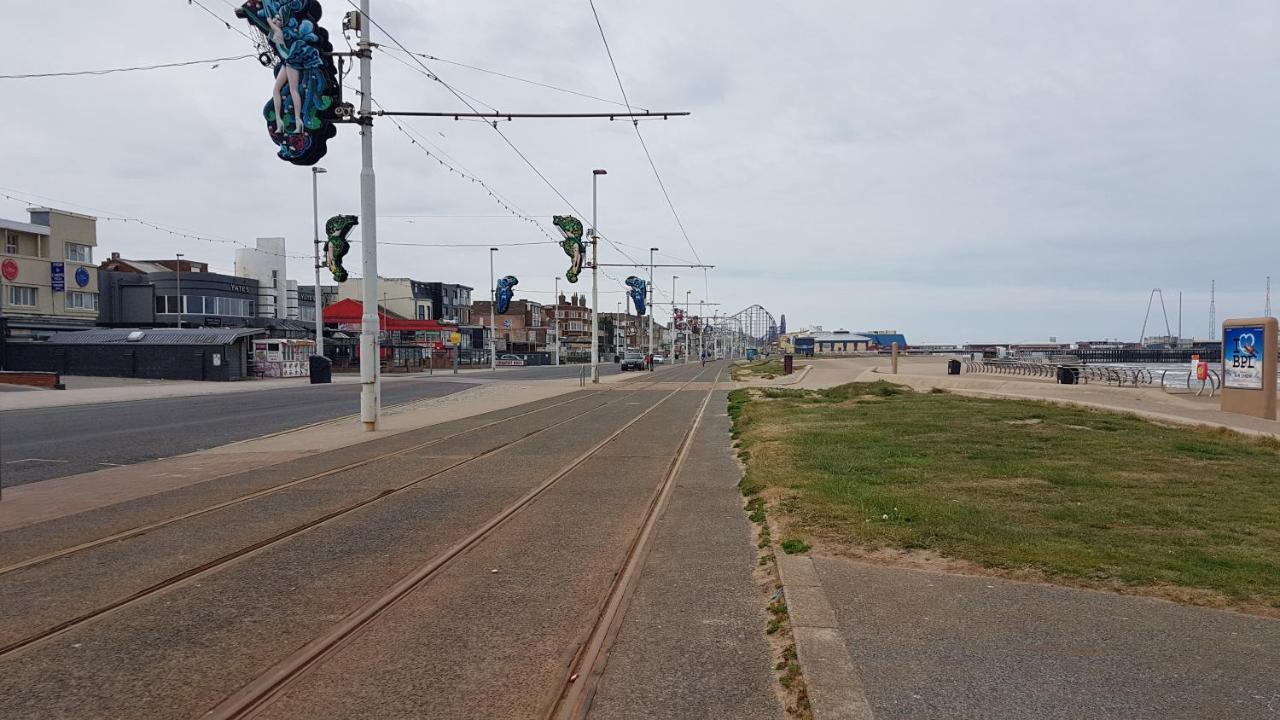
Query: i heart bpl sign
{"points": [[1244, 362]]}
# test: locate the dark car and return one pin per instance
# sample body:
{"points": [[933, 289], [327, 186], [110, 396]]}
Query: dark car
{"points": [[632, 361]]}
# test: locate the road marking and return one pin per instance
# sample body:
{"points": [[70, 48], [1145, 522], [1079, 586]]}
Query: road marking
{"points": [[11, 462]]}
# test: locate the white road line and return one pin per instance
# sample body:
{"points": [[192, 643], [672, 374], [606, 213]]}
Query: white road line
{"points": [[11, 462]]}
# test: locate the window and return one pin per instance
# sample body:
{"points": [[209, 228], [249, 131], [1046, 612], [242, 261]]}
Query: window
{"points": [[275, 278], [82, 301], [24, 296], [79, 253], [11, 243], [422, 312]]}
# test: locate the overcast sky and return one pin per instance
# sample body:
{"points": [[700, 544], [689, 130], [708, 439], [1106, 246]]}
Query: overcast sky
{"points": [[960, 171]]}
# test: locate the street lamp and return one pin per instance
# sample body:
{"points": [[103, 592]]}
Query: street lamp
{"points": [[556, 319], [178, 268], [688, 326], [675, 327], [319, 298], [651, 299], [493, 328], [595, 270]]}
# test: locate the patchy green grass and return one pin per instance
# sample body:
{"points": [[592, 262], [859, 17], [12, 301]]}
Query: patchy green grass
{"points": [[767, 369], [1071, 493]]}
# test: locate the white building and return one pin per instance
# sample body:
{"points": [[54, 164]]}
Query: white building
{"points": [[277, 296]]}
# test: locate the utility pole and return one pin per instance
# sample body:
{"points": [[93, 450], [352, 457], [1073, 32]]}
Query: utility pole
{"points": [[688, 326], [652, 297], [315, 214], [1267, 310], [493, 328], [178, 267], [702, 333], [556, 320], [595, 271], [675, 327], [370, 361]]}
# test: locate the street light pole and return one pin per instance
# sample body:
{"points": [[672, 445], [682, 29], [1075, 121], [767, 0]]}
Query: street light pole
{"points": [[315, 214], [370, 362], [688, 326], [595, 271], [178, 267], [556, 320], [675, 327], [493, 328], [702, 332], [652, 250]]}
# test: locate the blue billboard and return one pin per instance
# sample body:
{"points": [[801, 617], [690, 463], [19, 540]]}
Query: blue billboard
{"points": [[1243, 359]]}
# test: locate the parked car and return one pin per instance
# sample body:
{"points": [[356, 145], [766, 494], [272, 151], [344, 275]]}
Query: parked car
{"points": [[659, 360], [510, 361], [632, 361]]}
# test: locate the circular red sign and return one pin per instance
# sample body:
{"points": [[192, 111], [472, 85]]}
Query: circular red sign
{"points": [[10, 269]]}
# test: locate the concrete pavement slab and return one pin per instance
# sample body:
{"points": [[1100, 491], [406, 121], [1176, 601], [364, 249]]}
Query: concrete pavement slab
{"points": [[930, 645], [692, 642]]}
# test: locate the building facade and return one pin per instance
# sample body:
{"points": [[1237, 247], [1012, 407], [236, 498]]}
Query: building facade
{"points": [[400, 296], [266, 264], [522, 328], [307, 300], [164, 297], [450, 303], [48, 280], [572, 318]]}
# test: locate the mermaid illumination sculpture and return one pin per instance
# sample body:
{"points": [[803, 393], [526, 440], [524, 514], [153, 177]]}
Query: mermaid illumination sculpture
{"points": [[571, 228], [337, 228], [506, 291], [305, 94], [639, 289]]}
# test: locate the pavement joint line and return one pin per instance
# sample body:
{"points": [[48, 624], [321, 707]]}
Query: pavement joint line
{"points": [[237, 556], [132, 532], [270, 684], [835, 688]]}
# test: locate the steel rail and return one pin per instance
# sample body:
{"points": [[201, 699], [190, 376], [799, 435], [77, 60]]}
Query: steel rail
{"points": [[148, 527], [272, 683], [588, 666], [234, 556]]}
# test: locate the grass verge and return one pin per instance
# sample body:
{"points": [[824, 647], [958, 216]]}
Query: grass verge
{"points": [[1059, 493]]}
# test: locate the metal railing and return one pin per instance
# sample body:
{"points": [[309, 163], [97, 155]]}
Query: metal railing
{"points": [[1121, 375]]}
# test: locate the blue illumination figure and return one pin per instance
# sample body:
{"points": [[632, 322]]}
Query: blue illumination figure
{"points": [[305, 94], [506, 291], [639, 289]]}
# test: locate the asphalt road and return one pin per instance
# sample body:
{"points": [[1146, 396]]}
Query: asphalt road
{"points": [[55, 442]]}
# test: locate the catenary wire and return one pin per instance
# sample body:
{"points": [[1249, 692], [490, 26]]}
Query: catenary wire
{"points": [[636, 125], [108, 71]]}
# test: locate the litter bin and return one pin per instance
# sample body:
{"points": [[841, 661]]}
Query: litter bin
{"points": [[321, 370], [953, 367], [788, 364], [1068, 375]]}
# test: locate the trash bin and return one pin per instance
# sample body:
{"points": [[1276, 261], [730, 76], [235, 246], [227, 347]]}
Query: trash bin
{"points": [[321, 370], [788, 364], [953, 367], [1068, 375]]}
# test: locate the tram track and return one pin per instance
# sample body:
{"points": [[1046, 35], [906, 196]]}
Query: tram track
{"points": [[257, 695], [257, 494], [241, 553]]}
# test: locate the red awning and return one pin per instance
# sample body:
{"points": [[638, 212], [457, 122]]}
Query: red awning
{"points": [[349, 312]]}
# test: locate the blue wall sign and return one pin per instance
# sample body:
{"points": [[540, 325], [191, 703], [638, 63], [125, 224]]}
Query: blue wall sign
{"points": [[58, 276], [82, 277]]}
